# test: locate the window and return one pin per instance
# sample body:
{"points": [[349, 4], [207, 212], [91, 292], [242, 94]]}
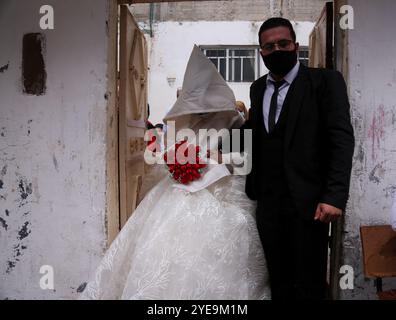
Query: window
{"points": [[235, 64], [303, 53]]}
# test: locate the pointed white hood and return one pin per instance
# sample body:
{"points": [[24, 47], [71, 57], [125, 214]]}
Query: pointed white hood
{"points": [[206, 101]]}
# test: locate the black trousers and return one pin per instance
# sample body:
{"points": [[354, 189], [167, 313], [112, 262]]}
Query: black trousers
{"points": [[296, 250]]}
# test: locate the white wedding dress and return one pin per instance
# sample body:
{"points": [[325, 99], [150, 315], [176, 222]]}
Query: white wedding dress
{"points": [[200, 242], [180, 245]]}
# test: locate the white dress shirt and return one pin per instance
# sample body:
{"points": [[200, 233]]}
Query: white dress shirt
{"points": [[281, 95]]}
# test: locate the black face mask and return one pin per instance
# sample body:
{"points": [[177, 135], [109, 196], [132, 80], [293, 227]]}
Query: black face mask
{"points": [[280, 62]]}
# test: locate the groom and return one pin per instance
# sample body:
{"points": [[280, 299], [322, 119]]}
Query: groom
{"points": [[301, 163]]}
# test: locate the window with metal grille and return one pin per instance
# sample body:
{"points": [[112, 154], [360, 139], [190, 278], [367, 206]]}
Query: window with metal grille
{"points": [[303, 53], [235, 64]]}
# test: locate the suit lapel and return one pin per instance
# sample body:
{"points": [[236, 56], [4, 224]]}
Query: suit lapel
{"points": [[260, 95], [295, 99], [258, 102]]}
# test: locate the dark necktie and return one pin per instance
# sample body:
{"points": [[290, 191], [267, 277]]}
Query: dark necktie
{"points": [[274, 105]]}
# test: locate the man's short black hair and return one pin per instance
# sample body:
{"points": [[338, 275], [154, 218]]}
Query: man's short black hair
{"points": [[277, 22], [159, 125]]}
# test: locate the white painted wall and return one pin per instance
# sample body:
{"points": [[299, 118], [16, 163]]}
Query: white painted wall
{"points": [[372, 86], [171, 47], [52, 150]]}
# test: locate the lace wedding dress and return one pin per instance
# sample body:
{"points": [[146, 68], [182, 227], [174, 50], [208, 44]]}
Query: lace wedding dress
{"points": [[198, 241], [180, 245]]}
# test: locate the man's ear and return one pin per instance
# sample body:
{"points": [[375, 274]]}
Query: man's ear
{"points": [[297, 45]]}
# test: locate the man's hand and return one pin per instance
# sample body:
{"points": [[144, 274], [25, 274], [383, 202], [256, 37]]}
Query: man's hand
{"points": [[327, 213]]}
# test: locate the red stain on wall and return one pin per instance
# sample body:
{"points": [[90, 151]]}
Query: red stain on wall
{"points": [[376, 130]]}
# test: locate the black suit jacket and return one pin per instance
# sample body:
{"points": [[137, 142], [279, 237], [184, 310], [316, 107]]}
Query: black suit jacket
{"points": [[318, 142]]}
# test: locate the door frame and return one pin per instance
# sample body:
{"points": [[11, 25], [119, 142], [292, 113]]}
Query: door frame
{"points": [[111, 223]]}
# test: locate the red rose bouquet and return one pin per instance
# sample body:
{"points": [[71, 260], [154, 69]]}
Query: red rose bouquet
{"points": [[184, 162]]}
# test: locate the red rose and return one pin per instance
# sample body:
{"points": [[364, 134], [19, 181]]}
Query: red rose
{"points": [[185, 166]]}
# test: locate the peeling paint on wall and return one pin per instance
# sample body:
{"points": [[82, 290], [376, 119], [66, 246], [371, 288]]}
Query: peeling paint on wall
{"points": [[24, 231], [81, 287], [4, 68], [10, 266], [377, 174], [3, 223], [373, 187], [52, 150], [17, 235], [360, 154], [28, 127], [25, 189], [390, 191], [55, 162]]}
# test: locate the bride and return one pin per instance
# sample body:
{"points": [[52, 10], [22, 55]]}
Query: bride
{"points": [[195, 241]]}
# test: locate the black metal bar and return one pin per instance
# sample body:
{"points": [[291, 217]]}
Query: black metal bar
{"points": [[329, 35], [378, 284]]}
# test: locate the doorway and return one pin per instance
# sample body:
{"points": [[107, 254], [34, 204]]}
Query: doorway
{"points": [[127, 114]]}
